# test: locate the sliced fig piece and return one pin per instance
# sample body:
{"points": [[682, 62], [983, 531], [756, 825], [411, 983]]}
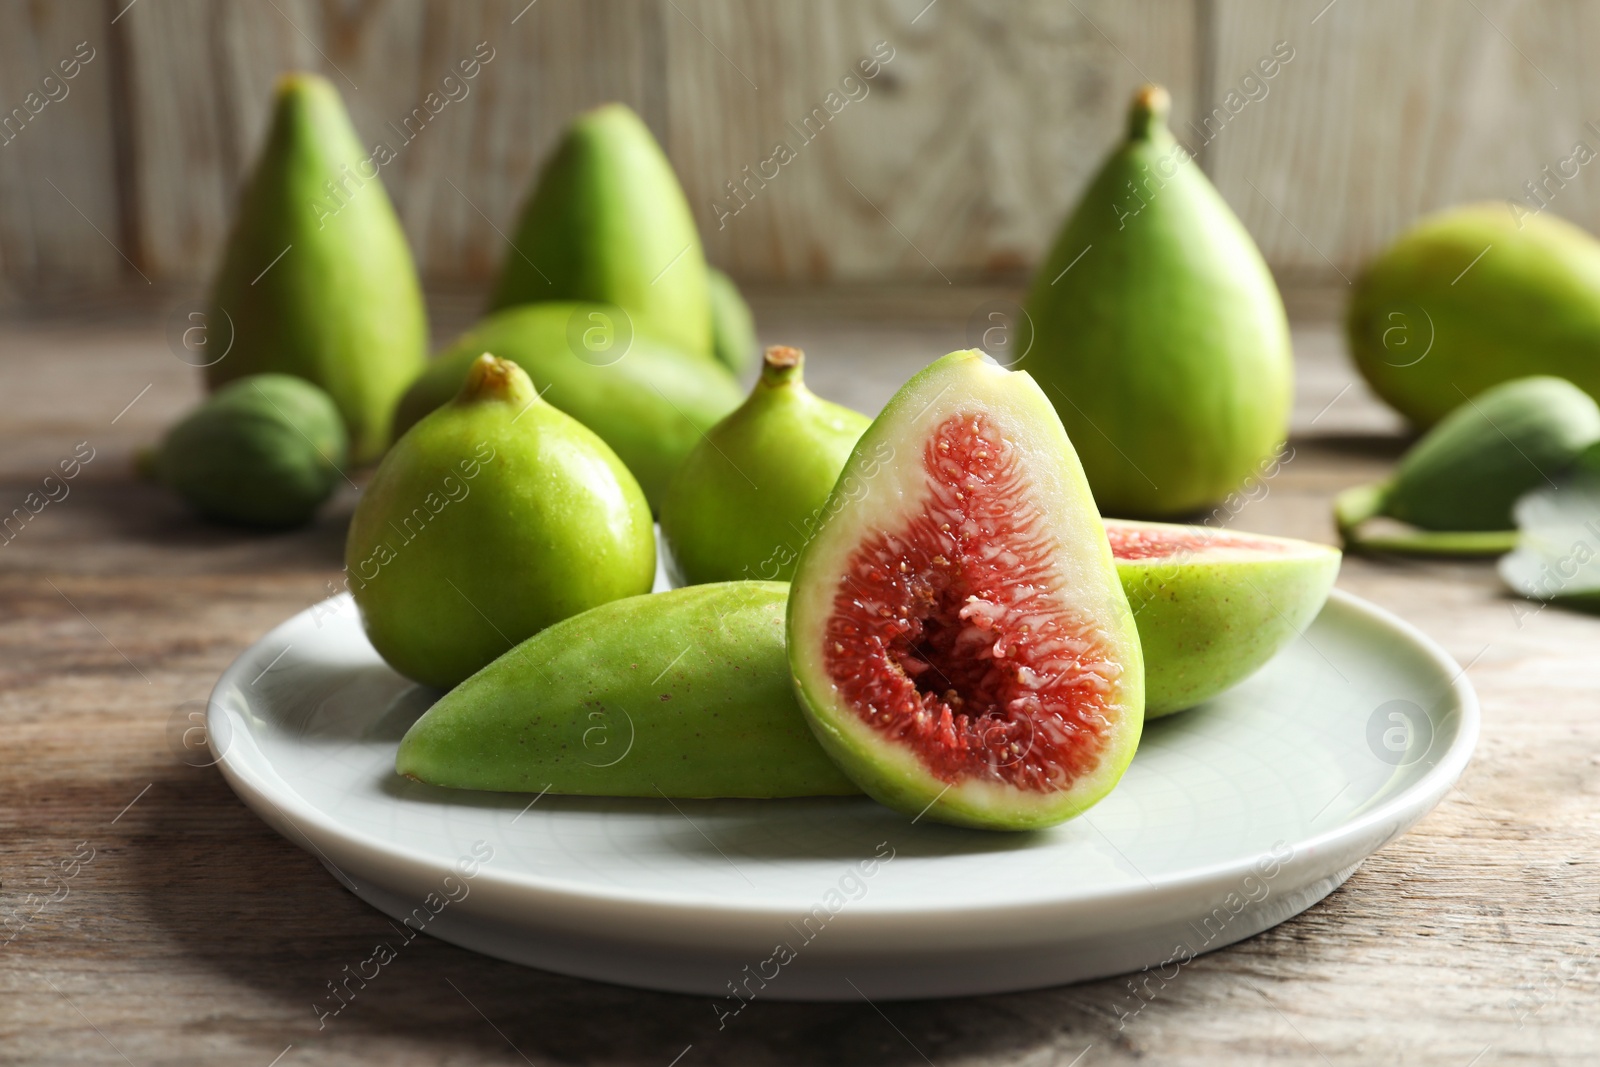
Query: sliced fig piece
{"points": [[1213, 606], [679, 694], [957, 633]]}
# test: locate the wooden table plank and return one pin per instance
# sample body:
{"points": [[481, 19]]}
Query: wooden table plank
{"points": [[196, 935]]}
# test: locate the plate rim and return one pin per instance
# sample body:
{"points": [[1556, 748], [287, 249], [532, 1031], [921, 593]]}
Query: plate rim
{"points": [[1403, 809]]}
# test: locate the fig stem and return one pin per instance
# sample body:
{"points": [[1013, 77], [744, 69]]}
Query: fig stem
{"points": [[1353, 507], [1148, 112], [782, 365], [491, 378]]}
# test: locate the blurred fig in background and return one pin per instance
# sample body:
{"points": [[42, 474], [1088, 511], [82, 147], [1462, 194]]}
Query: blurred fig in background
{"points": [[1472, 297], [733, 328], [608, 222], [317, 279], [651, 402], [263, 451]]}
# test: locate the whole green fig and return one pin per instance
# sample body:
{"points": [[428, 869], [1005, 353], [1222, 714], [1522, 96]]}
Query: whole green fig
{"points": [[1472, 297], [1461, 480], [748, 497], [649, 401], [608, 221], [679, 694], [1159, 335], [266, 451], [491, 519], [733, 328], [317, 279]]}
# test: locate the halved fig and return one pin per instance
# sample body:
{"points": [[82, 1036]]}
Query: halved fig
{"points": [[1213, 606], [957, 633]]}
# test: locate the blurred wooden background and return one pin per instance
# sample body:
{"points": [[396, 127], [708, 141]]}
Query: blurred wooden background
{"points": [[958, 163]]}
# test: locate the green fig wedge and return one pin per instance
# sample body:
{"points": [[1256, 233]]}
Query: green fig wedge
{"points": [[608, 222], [1457, 485], [316, 278], [733, 328], [1213, 606], [494, 517], [1159, 335], [958, 635], [650, 402], [747, 498], [262, 451], [1472, 297], [679, 694]]}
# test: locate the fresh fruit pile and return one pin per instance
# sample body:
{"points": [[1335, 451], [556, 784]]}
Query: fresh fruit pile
{"points": [[926, 607]]}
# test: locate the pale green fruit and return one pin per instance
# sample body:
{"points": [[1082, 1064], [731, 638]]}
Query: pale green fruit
{"points": [[316, 278], [680, 694], [492, 518], [748, 497], [1213, 606], [1164, 348]]}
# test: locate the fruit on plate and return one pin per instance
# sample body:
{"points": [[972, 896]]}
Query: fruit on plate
{"points": [[492, 518], [679, 694], [1213, 606], [316, 278], [608, 222], [749, 495], [1159, 335], [733, 328], [649, 401], [957, 632], [1457, 485], [264, 451], [1474, 296]]}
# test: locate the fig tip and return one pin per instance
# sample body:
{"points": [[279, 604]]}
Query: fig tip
{"points": [[1151, 105]]}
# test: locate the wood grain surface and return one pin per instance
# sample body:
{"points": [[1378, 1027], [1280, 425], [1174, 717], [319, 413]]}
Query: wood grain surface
{"points": [[154, 920], [957, 161]]}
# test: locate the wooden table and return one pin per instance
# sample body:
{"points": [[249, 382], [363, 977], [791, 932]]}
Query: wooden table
{"points": [[172, 927]]}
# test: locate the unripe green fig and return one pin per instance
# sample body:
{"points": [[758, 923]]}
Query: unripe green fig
{"points": [[1213, 606], [733, 328], [750, 494], [491, 519], [1461, 480], [679, 694], [1474, 296], [649, 401], [958, 634], [608, 222], [265, 451], [317, 279], [1159, 335]]}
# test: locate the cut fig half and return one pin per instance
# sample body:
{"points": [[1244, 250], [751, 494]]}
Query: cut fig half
{"points": [[1213, 606], [958, 636]]}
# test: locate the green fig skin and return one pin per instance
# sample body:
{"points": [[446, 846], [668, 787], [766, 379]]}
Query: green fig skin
{"points": [[1211, 616], [1165, 349], [733, 327], [1468, 471], [742, 503], [651, 406], [678, 694], [1083, 579], [262, 451], [1472, 297], [342, 307], [494, 517], [608, 222]]}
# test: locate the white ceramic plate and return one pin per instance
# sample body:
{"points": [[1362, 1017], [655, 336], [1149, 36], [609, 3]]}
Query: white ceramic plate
{"points": [[1233, 817]]}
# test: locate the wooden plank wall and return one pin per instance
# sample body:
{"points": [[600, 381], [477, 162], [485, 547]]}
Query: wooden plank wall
{"points": [[958, 163]]}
